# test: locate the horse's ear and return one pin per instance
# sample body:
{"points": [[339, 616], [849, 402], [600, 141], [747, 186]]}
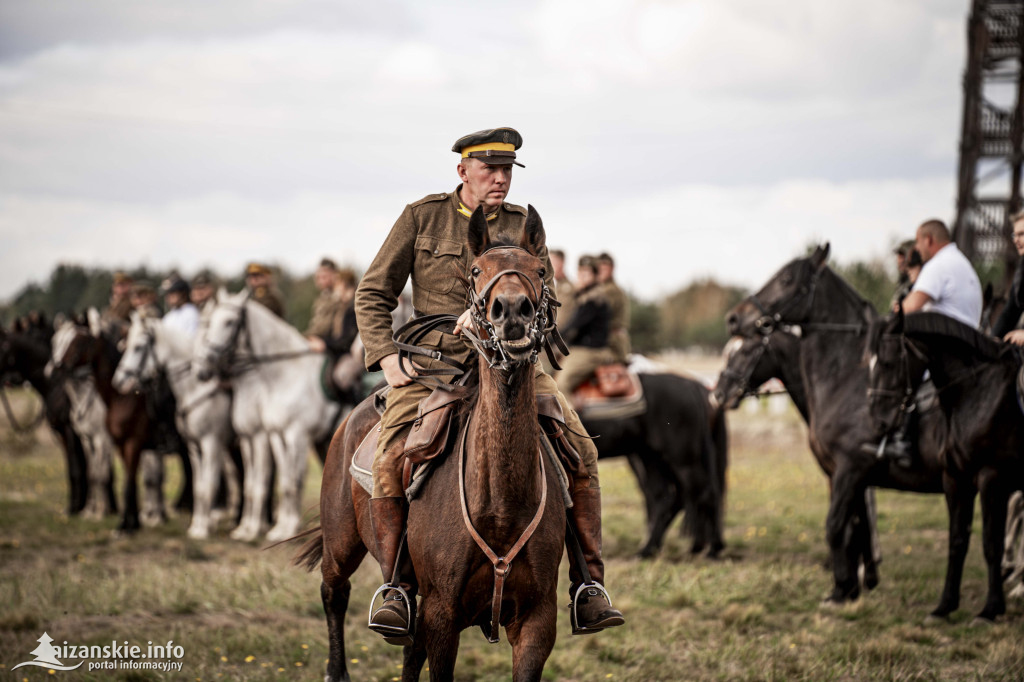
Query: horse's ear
{"points": [[900, 316], [479, 240], [95, 328], [820, 256], [533, 233]]}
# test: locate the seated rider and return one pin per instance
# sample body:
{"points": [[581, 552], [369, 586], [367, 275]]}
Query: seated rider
{"points": [[259, 280], [618, 329], [332, 327], [587, 331], [947, 284], [429, 243], [1008, 326]]}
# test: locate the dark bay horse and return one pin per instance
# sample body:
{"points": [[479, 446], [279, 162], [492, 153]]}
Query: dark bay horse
{"points": [[128, 421], [679, 451], [24, 354], [833, 320], [507, 490], [776, 355], [982, 434]]}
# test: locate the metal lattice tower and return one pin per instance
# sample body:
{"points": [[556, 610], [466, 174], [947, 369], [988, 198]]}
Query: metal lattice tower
{"points": [[991, 149]]}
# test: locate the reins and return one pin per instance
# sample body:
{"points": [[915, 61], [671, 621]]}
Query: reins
{"points": [[502, 564]]}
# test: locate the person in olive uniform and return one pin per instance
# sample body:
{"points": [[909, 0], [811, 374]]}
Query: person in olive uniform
{"points": [[429, 244], [259, 282], [618, 339], [117, 314], [587, 330], [203, 294], [325, 306], [144, 301]]}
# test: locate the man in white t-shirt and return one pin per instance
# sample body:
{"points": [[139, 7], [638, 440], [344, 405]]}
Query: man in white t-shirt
{"points": [[181, 313], [948, 283]]}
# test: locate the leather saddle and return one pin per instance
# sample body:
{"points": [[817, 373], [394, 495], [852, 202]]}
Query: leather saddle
{"points": [[433, 433], [609, 382]]}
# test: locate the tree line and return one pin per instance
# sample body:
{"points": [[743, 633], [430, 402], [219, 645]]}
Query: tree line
{"points": [[690, 317]]}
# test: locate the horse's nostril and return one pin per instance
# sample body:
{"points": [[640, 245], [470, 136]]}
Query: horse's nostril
{"points": [[526, 308], [497, 309]]}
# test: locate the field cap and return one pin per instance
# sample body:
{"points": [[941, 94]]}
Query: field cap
{"points": [[495, 147]]}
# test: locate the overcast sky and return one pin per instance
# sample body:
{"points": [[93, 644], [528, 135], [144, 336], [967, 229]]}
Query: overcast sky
{"points": [[690, 139]]}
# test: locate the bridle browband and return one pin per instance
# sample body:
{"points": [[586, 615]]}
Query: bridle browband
{"points": [[769, 321]]}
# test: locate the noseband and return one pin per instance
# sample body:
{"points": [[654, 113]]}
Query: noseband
{"points": [[487, 343], [766, 324]]}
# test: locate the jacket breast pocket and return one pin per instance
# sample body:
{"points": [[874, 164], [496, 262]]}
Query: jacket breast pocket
{"points": [[437, 262]]}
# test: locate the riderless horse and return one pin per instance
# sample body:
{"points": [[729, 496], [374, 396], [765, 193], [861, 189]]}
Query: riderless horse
{"points": [[92, 351], [776, 355], [278, 410], [982, 433], [486, 532], [808, 298], [24, 354], [203, 411]]}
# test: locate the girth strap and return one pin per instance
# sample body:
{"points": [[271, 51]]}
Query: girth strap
{"points": [[503, 564]]}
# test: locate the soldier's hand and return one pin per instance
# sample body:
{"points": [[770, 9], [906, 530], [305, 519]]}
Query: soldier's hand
{"points": [[1016, 337], [465, 322], [316, 344], [393, 373]]}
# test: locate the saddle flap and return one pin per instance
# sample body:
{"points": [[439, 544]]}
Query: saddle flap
{"points": [[429, 433], [548, 406], [362, 459]]}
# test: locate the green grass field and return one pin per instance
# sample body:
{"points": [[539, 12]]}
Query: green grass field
{"points": [[243, 613]]}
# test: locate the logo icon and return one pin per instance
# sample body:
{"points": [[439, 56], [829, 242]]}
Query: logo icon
{"points": [[46, 656]]}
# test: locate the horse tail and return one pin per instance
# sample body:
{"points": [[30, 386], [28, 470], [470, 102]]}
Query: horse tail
{"points": [[312, 552]]}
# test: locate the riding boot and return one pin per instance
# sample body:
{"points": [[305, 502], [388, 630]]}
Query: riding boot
{"points": [[899, 445], [590, 608], [393, 618]]}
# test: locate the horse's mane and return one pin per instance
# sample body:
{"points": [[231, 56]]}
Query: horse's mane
{"points": [[937, 324], [867, 310]]}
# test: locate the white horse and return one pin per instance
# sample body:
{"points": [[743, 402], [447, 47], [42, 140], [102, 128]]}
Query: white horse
{"points": [[89, 420], [279, 408], [203, 411]]}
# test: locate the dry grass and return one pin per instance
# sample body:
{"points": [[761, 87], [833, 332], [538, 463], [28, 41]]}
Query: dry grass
{"points": [[243, 613]]}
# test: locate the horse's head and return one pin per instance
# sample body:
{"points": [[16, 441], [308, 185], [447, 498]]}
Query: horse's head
{"points": [[510, 302], [221, 337], [138, 364], [75, 345], [896, 366], [787, 298]]}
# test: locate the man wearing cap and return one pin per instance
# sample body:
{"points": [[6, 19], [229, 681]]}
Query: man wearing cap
{"points": [[261, 288], [118, 312], [181, 313], [903, 281], [203, 295], [144, 300], [587, 330], [618, 333], [429, 244]]}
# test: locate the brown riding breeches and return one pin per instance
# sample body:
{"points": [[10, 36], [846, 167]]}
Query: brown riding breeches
{"points": [[402, 407]]}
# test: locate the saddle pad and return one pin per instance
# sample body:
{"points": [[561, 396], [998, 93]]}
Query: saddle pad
{"points": [[362, 461], [593, 406]]}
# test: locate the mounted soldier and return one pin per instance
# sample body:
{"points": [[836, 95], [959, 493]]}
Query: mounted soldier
{"points": [[428, 244], [203, 293], [118, 313], [260, 283], [144, 300], [587, 330], [333, 327], [618, 331], [182, 314]]}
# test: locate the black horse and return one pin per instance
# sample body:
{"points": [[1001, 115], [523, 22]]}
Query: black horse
{"points": [[24, 352], [833, 320], [678, 450], [776, 355], [982, 432]]}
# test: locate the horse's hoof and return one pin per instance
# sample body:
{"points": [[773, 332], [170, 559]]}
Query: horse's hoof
{"points": [[983, 622], [198, 533], [277, 534]]}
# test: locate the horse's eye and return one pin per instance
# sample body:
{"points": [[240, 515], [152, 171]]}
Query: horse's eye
{"points": [[475, 272], [542, 272]]}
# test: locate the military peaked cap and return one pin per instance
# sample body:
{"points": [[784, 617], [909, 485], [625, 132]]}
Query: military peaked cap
{"points": [[257, 269], [495, 147]]}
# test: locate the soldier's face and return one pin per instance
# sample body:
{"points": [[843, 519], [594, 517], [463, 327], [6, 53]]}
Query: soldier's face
{"points": [[324, 278], [201, 294], [483, 184]]}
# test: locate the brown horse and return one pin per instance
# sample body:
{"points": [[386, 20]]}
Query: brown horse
{"points": [[507, 489], [128, 421]]}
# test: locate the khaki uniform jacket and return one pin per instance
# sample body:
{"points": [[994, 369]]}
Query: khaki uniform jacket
{"points": [[270, 298], [429, 243], [565, 292], [327, 310], [619, 327]]}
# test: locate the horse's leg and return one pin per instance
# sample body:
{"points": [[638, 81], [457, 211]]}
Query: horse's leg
{"points": [[1013, 554], [440, 638], [532, 640], [659, 495], [294, 455], [153, 513], [206, 456], [130, 515], [994, 497], [77, 468], [342, 555], [838, 532], [871, 549], [248, 527], [960, 504], [186, 498], [233, 479], [94, 503]]}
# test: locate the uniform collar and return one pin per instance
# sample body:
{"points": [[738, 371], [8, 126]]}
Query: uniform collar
{"points": [[461, 208]]}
